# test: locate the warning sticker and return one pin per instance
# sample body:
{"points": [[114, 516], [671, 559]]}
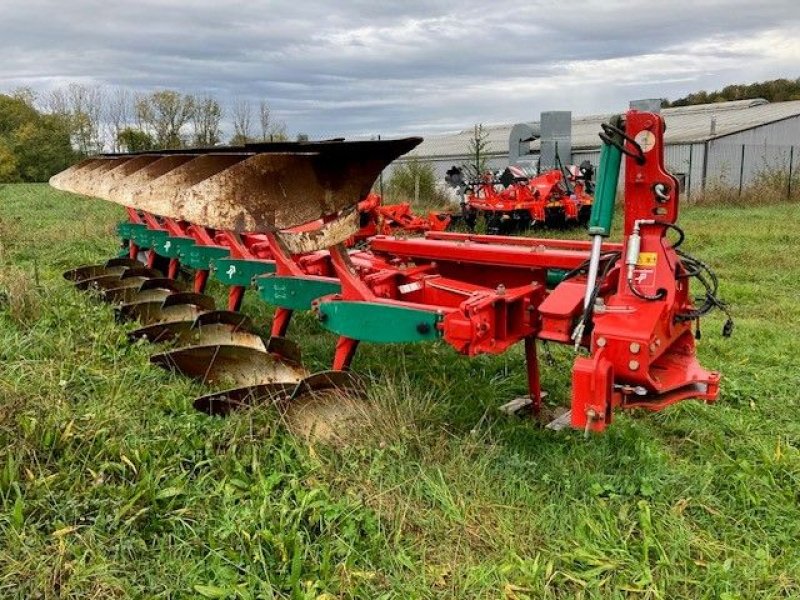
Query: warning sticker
{"points": [[409, 287], [646, 139], [647, 259]]}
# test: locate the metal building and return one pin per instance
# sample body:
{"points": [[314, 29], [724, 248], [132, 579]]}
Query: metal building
{"points": [[728, 142]]}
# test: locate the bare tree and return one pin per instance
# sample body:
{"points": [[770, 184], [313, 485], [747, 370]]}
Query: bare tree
{"points": [[143, 113], [164, 113], [242, 121], [264, 118], [24, 94], [271, 130], [205, 120], [85, 106], [119, 106], [277, 132], [55, 102]]}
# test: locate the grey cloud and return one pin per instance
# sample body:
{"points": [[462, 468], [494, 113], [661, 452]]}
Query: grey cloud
{"points": [[370, 67]]}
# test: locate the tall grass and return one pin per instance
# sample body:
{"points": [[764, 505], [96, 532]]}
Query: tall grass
{"points": [[770, 185], [111, 486]]}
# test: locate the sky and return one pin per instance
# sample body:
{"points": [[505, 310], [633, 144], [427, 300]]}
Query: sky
{"points": [[331, 67]]}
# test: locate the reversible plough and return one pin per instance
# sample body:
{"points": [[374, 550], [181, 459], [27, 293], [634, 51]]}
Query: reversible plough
{"points": [[280, 219]]}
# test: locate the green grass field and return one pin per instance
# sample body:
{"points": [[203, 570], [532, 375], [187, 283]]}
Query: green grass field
{"points": [[111, 485]]}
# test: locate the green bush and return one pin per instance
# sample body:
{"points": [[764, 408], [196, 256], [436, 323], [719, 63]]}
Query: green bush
{"points": [[33, 146], [414, 181]]}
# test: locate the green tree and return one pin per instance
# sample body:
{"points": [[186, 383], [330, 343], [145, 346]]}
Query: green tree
{"points": [[206, 121], [165, 113], [43, 148], [775, 90], [8, 164], [33, 146], [131, 139], [415, 180]]}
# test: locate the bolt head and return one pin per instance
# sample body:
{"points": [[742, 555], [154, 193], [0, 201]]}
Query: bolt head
{"points": [[633, 365], [601, 342], [634, 347]]}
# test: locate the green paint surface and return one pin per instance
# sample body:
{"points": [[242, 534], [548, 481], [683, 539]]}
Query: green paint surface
{"points": [[606, 189], [379, 323], [236, 271], [172, 246], [296, 293], [201, 257]]}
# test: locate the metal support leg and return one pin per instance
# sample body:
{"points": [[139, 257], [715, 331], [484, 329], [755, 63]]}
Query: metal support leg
{"points": [[280, 322], [200, 280], [235, 297], [133, 251], [534, 381], [174, 268], [345, 351], [151, 258]]}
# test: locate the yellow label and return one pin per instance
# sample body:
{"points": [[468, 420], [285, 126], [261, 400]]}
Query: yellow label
{"points": [[647, 259]]}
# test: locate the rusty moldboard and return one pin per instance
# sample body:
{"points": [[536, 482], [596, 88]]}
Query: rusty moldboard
{"points": [[259, 187]]}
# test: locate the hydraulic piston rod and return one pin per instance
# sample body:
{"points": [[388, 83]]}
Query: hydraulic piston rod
{"points": [[602, 212]]}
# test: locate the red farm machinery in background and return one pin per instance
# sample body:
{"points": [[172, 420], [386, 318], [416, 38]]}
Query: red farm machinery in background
{"points": [[626, 308], [386, 219], [516, 199]]}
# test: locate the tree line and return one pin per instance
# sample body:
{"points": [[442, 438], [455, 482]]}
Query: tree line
{"points": [[775, 90], [42, 135]]}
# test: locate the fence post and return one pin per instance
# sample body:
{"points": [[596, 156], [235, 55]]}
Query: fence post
{"points": [[791, 169], [416, 190], [705, 166], [741, 170], [689, 175]]}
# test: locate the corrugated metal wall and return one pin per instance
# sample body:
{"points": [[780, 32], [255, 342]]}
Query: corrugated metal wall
{"points": [[781, 133], [735, 160]]}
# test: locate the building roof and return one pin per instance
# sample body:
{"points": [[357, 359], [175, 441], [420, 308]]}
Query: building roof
{"points": [[685, 124]]}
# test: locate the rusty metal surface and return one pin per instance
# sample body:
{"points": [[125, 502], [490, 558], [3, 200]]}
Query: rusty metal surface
{"points": [[330, 383], [233, 363], [129, 295], [345, 382], [132, 277], [145, 306], [149, 298], [84, 181], [226, 401], [62, 180], [287, 349], [328, 235], [114, 266], [164, 319], [257, 187], [101, 187], [221, 348], [160, 166], [222, 334], [174, 322]]}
